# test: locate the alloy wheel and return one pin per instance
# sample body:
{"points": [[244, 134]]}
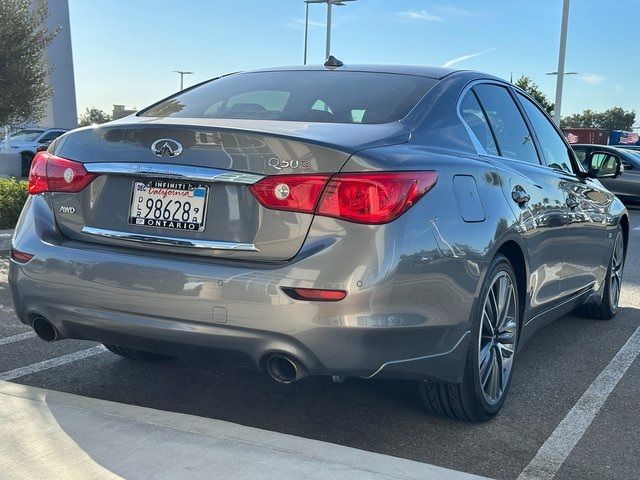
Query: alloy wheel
{"points": [[497, 337], [617, 264]]}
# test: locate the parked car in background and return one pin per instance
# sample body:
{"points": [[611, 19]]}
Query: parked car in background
{"points": [[349, 221], [627, 185], [26, 141], [635, 148]]}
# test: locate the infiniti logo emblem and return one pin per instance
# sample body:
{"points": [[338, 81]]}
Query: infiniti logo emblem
{"points": [[166, 145]]}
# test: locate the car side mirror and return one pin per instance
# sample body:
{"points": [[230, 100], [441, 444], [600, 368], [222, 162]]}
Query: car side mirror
{"points": [[626, 165], [42, 147], [610, 168]]}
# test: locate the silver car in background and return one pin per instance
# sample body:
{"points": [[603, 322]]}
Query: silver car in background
{"points": [[350, 221]]}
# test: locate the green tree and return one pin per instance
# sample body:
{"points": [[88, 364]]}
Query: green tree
{"points": [[93, 116], [529, 86], [23, 66], [615, 118]]}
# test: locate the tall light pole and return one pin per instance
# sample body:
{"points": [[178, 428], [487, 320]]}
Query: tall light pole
{"points": [[182, 74], [306, 30], [329, 3], [561, 57]]}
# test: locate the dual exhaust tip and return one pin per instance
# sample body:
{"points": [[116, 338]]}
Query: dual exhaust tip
{"points": [[285, 369]]}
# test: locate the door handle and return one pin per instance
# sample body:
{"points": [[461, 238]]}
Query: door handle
{"points": [[519, 195], [572, 202]]}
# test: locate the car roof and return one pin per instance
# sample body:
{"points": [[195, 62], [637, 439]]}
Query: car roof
{"points": [[423, 71]]}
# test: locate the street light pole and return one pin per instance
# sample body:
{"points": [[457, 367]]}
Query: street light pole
{"points": [[330, 4], [561, 58], [306, 30], [182, 74], [327, 51]]}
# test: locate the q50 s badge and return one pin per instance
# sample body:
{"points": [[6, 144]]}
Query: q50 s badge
{"points": [[293, 164]]}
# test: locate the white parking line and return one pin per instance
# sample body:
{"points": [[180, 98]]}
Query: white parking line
{"points": [[564, 438], [17, 338], [637, 229], [52, 362]]}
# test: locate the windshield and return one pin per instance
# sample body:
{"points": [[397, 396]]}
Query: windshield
{"points": [[302, 96], [26, 135]]}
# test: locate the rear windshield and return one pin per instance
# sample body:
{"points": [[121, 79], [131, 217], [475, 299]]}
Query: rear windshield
{"points": [[300, 96]]}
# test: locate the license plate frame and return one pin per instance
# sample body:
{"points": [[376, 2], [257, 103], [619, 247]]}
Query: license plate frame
{"points": [[186, 190]]}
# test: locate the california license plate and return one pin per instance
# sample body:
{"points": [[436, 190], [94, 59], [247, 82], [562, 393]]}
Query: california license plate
{"points": [[169, 204]]}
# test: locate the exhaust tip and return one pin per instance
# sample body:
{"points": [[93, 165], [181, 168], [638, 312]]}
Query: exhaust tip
{"points": [[284, 369], [45, 330]]}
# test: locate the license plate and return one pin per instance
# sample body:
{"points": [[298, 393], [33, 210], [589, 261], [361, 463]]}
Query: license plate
{"points": [[169, 204]]}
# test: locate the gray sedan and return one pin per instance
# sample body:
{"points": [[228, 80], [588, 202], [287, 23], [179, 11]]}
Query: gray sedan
{"points": [[349, 221]]}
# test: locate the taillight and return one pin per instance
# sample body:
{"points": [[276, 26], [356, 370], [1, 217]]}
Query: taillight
{"points": [[374, 198], [49, 173], [370, 198], [297, 193]]}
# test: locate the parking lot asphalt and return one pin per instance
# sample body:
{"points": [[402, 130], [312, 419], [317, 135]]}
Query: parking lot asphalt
{"points": [[554, 372]]}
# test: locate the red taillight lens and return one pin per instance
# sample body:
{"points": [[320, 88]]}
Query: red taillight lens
{"points": [[315, 294], [297, 193], [54, 174], [370, 198], [374, 198]]}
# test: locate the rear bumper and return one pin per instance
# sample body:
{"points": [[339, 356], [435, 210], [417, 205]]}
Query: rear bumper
{"points": [[408, 319]]}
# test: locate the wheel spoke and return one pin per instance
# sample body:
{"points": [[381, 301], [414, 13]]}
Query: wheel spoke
{"points": [[485, 354], [505, 351], [485, 371], [486, 324], [493, 382]]}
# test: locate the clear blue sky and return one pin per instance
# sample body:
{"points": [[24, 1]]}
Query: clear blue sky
{"points": [[125, 50]]}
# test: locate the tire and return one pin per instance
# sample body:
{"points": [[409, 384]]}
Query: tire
{"points": [[611, 295], [137, 355], [474, 400], [27, 158]]}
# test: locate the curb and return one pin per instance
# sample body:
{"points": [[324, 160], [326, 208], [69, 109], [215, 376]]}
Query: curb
{"points": [[99, 439]]}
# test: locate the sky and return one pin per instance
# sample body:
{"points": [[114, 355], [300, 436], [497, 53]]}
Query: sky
{"points": [[124, 51]]}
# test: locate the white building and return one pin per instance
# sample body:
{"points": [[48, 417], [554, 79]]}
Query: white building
{"points": [[61, 110]]}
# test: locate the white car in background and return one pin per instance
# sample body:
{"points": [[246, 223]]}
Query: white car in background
{"points": [[26, 141]]}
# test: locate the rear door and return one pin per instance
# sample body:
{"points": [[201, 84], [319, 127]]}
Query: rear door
{"points": [[533, 191], [586, 200]]}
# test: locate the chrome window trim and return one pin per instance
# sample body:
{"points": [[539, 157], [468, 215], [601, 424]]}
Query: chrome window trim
{"points": [[182, 172], [170, 241]]}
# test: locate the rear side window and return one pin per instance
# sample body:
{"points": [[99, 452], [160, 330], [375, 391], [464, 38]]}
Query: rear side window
{"points": [[511, 132], [555, 151], [474, 117], [304, 96]]}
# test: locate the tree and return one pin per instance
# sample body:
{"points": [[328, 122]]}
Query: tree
{"points": [[93, 116], [23, 66], [615, 118], [529, 86]]}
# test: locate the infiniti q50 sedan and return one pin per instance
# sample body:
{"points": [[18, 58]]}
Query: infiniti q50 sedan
{"points": [[349, 221]]}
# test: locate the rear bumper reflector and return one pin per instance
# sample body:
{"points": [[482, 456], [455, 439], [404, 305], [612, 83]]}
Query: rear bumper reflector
{"points": [[20, 257], [315, 294]]}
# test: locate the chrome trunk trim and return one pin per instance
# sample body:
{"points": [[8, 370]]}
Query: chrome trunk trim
{"points": [[183, 172], [170, 241]]}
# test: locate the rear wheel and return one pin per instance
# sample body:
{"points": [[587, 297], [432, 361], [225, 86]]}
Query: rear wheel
{"points": [[491, 353], [611, 295], [133, 354]]}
